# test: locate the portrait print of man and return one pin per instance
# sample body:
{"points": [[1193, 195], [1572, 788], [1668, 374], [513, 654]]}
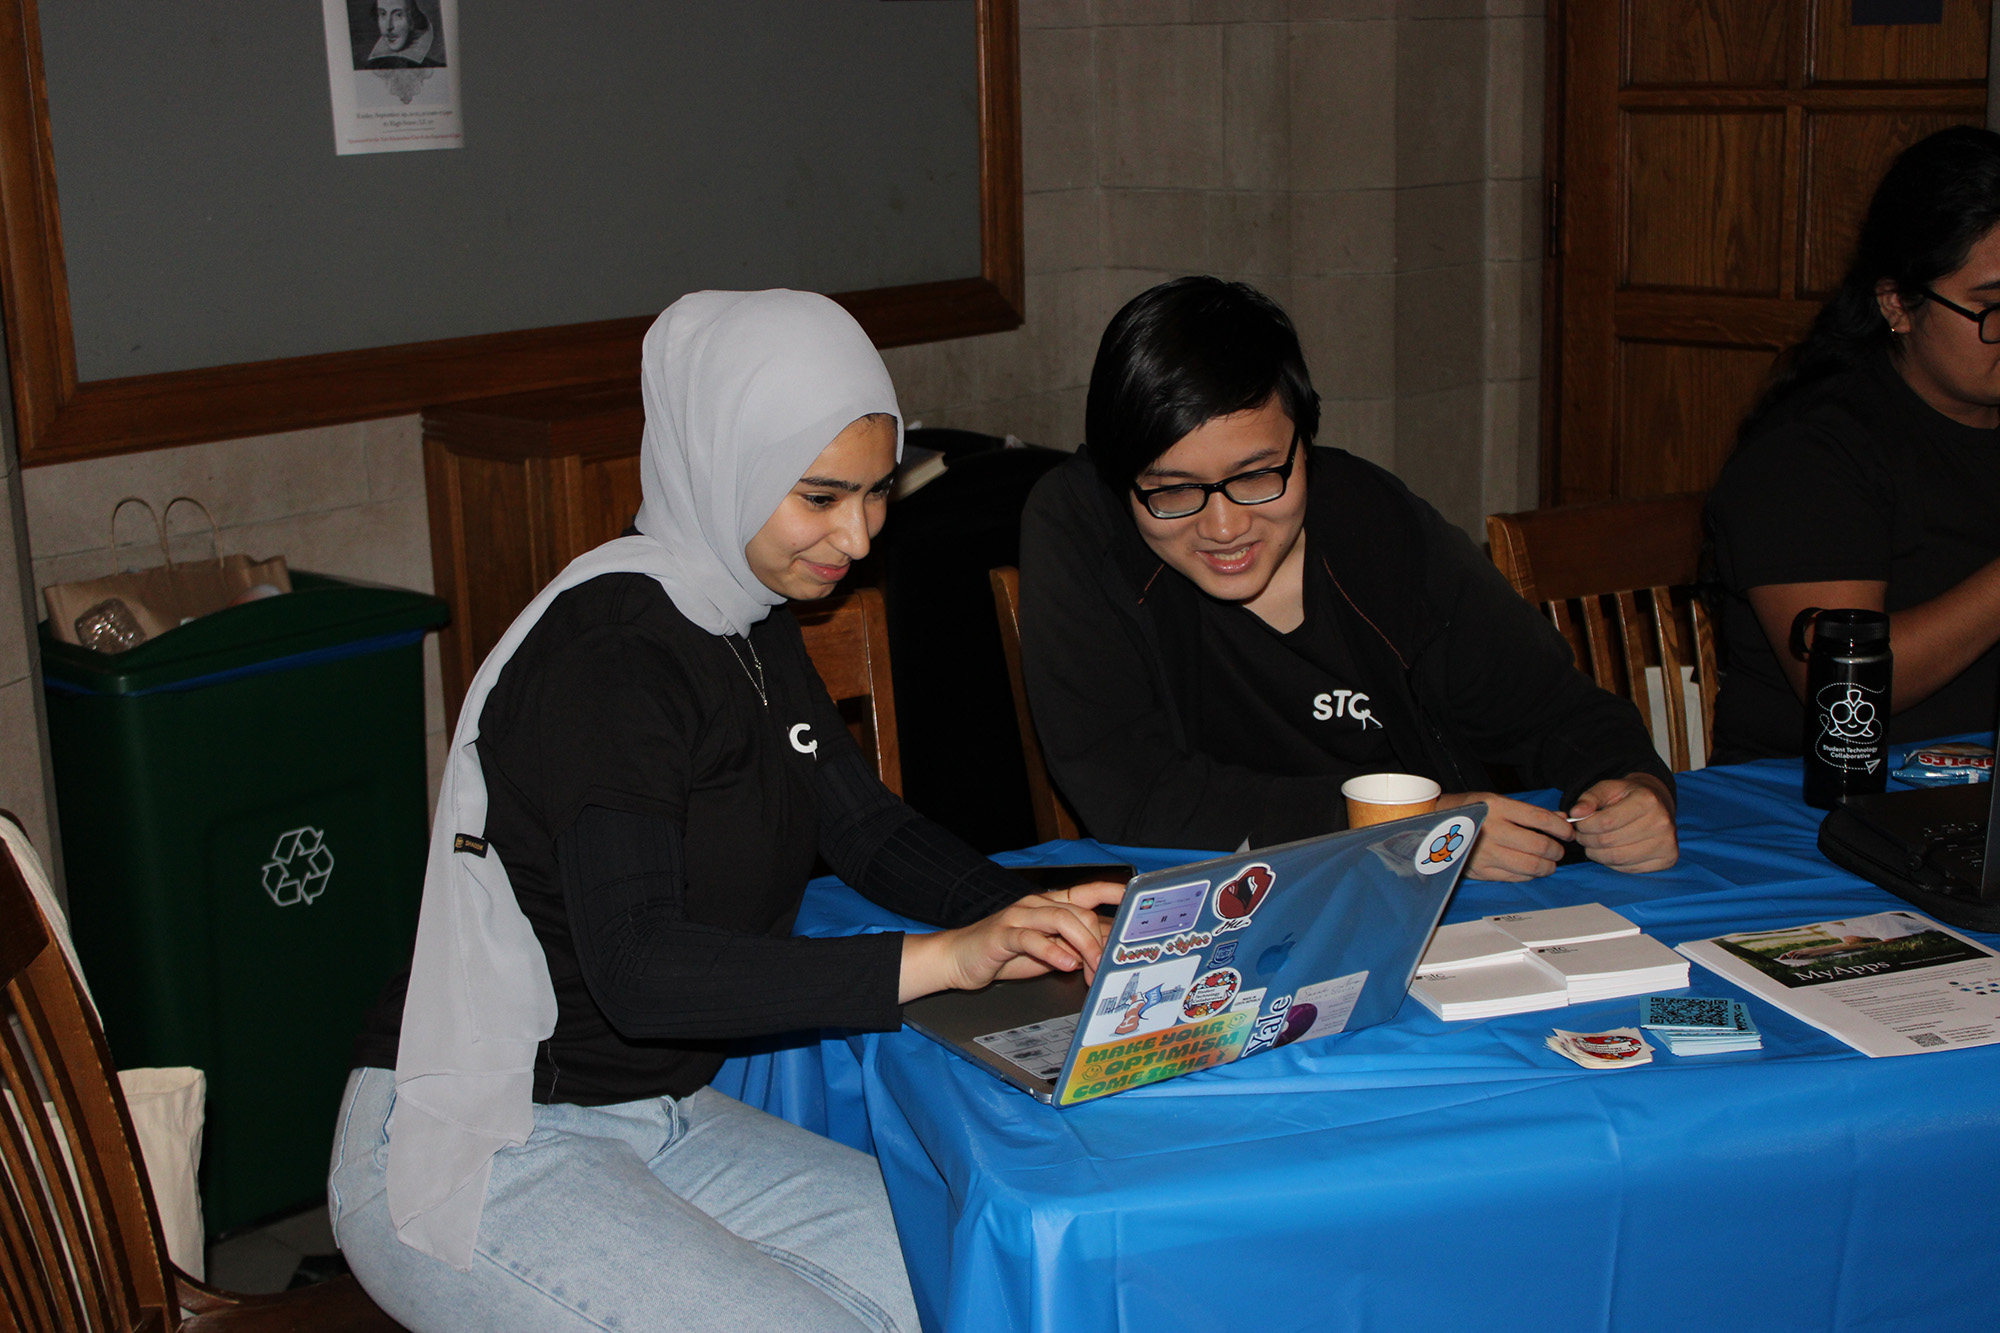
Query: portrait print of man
{"points": [[396, 34]]}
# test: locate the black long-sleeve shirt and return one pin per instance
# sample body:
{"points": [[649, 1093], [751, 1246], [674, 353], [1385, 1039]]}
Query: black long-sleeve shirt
{"points": [[1172, 719], [658, 821]]}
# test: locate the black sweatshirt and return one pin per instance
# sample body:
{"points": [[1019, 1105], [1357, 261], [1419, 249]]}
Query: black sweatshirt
{"points": [[658, 822], [1172, 719]]}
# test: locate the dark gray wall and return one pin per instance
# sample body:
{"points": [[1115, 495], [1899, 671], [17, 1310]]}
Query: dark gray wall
{"points": [[616, 155]]}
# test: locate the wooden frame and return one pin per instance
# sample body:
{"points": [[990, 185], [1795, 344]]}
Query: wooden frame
{"points": [[1053, 817], [1618, 550], [83, 1247], [847, 638], [59, 419], [1554, 78]]}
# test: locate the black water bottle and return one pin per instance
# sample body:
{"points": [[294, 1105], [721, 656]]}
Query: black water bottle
{"points": [[1846, 740]]}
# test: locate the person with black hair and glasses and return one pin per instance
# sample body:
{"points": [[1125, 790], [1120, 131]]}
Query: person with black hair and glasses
{"points": [[1221, 623], [1868, 474]]}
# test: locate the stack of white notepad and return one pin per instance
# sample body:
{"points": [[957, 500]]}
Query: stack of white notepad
{"points": [[1523, 961], [1564, 925], [1474, 969], [1515, 985], [1606, 969]]}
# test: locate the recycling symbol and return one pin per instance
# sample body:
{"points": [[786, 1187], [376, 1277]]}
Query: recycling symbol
{"points": [[299, 867]]}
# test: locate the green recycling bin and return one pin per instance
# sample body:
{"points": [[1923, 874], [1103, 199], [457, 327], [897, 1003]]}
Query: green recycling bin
{"points": [[244, 820]]}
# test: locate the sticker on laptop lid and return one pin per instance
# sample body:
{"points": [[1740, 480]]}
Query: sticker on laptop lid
{"points": [[1323, 1008], [1165, 911], [1269, 1027], [1211, 993], [1238, 898], [1187, 942], [1442, 847], [1144, 999], [1148, 1057]]}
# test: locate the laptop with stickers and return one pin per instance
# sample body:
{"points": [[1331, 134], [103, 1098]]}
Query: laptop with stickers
{"points": [[1220, 960]]}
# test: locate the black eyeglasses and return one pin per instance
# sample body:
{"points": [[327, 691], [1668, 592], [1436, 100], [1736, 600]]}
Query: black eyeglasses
{"points": [[1187, 499], [1989, 328]]}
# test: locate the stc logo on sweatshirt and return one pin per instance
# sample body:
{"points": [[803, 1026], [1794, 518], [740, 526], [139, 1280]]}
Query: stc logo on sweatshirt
{"points": [[1350, 704]]}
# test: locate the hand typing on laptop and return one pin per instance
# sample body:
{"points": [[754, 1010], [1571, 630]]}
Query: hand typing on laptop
{"points": [[1057, 931]]}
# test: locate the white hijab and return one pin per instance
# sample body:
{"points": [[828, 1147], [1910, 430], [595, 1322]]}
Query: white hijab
{"points": [[742, 390]]}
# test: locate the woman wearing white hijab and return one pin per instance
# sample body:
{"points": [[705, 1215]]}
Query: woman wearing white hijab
{"points": [[643, 772]]}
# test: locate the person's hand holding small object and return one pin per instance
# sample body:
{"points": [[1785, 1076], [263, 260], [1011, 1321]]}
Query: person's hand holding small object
{"points": [[1518, 841], [1628, 823]]}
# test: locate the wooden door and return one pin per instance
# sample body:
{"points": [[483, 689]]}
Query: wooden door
{"points": [[1709, 162]]}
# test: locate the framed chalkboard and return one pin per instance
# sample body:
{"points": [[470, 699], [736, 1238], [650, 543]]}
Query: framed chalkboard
{"points": [[185, 257]]}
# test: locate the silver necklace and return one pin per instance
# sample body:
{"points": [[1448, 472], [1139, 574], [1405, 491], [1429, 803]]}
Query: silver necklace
{"points": [[757, 680]]}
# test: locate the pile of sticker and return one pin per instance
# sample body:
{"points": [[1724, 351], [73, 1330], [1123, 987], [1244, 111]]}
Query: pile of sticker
{"points": [[1619, 1048]]}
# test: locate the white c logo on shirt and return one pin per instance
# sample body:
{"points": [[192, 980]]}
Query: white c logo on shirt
{"points": [[804, 747]]}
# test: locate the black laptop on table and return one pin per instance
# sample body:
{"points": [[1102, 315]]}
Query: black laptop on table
{"points": [[1935, 847]]}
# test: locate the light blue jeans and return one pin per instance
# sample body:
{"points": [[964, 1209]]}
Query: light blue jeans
{"points": [[696, 1214]]}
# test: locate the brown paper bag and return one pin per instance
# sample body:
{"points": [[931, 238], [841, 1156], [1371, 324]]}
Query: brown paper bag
{"points": [[125, 609]]}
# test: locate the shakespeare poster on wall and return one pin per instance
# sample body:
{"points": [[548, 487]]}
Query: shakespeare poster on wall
{"points": [[392, 68]]}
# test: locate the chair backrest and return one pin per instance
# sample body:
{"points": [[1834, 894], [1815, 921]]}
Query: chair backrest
{"points": [[1642, 558], [80, 1243], [81, 1247], [848, 639], [1053, 817]]}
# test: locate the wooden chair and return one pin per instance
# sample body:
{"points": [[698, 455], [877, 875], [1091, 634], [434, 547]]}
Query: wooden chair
{"points": [[1643, 558], [1053, 816], [848, 639], [81, 1249]]}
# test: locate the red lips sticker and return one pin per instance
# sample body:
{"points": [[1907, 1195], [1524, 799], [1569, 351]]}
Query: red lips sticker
{"points": [[1241, 896]]}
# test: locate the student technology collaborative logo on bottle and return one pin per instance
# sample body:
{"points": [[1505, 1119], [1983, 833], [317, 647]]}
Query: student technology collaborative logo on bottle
{"points": [[1850, 726]]}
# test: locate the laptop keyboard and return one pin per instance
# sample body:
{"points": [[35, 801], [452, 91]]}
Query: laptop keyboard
{"points": [[1039, 1048], [1956, 849]]}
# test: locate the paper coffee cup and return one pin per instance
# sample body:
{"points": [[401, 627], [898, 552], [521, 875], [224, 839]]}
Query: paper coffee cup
{"points": [[1377, 798]]}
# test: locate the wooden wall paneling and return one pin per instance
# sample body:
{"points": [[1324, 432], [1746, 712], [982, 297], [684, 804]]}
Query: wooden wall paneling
{"points": [[611, 486], [1700, 205], [1846, 153], [1750, 321], [1549, 388], [1704, 199], [500, 534], [1737, 42], [444, 502], [1678, 406], [519, 486], [58, 418], [1584, 268], [1953, 51]]}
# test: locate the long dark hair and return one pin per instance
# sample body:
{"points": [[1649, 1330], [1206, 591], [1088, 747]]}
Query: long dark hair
{"points": [[1181, 354], [1939, 197]]}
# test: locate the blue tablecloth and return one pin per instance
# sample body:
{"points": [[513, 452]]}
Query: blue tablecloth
{"points": [[1422, 1175]]}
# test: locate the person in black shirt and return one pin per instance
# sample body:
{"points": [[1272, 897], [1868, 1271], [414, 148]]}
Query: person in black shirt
{"points": [[1220, 623], [1868, 475], [643, 773]]}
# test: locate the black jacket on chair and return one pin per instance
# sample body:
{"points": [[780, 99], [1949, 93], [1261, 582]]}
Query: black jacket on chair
{"points": [[1113, 646]]}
